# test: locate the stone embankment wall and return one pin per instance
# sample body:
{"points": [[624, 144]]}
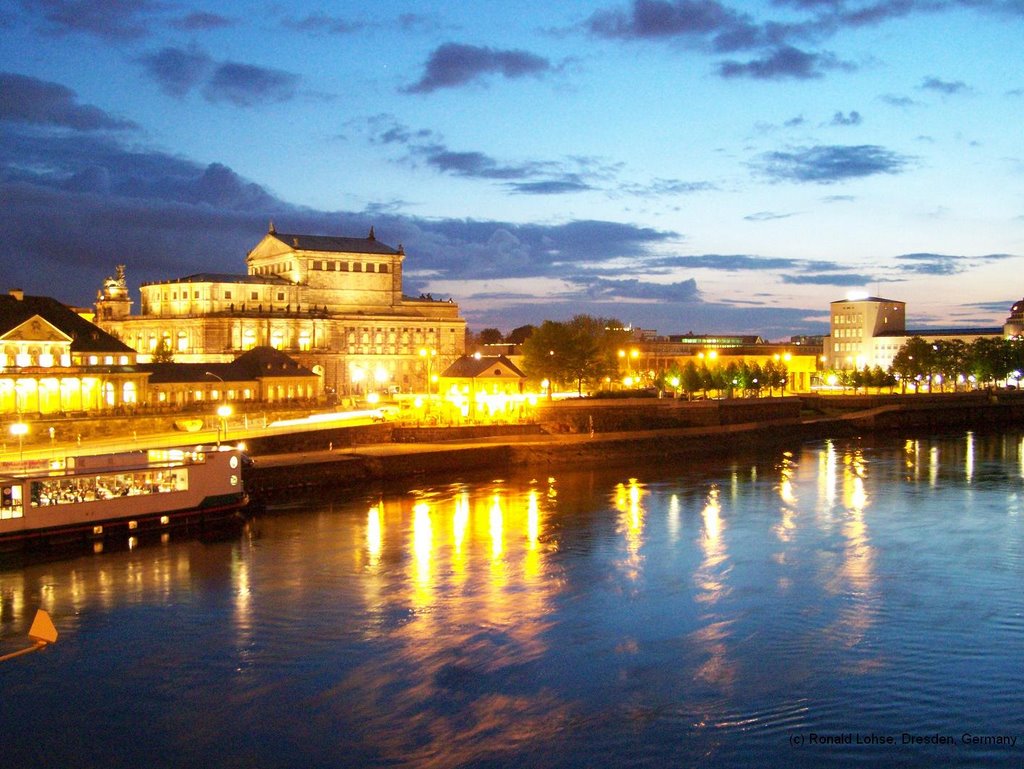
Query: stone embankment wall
{"points": [[576, 416]]}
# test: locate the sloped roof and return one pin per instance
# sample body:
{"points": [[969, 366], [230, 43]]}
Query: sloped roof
{"points": [[470, 367], [257, 363], [335, 244], [85, 336]]}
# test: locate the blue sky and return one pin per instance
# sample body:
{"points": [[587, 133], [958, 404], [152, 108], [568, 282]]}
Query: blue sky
{"points": [[678, 164]]}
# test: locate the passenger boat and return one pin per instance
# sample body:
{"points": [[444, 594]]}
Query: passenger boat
{"points": [[94, 497]]}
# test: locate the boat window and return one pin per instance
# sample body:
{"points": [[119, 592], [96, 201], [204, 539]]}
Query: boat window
{"points": [[11, 502], [90, 488]]}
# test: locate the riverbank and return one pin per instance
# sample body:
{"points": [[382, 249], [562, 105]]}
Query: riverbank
{"points": [[441, 455]]}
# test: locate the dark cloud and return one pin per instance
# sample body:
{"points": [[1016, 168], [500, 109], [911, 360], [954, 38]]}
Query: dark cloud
{"points": [[829, 164], [944, 86], [29, 100], [527, 178], [116, 20], [245, 85], [76, 205], [943, 264], [851, 118], [898, 101], [453, 65], [177, 71], [473, 164], [322, 24], [660, 19], [634, 289], [551, 187], [201, 20], [784, 63]]}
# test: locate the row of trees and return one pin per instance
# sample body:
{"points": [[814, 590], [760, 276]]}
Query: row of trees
{"points": [[942, 365], [586, 353], [956, 363]]}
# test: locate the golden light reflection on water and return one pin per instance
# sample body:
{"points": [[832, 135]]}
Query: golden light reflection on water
{"points": [[374, 537], [853, 578], [483, 590], [784, 529], [628, 501], [710, 578], [969, 457]]}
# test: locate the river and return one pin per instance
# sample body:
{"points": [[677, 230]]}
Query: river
{"points": [[843, 603]]}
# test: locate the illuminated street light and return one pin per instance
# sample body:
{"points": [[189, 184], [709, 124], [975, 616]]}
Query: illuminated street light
{"points": [[428, 353], [223, 412], [20, 429], [220, 379]]}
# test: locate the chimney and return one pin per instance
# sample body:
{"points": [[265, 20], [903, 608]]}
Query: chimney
{"points": [[17, 293]]}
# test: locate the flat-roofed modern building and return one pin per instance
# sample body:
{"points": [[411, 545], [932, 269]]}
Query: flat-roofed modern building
{"points": [[334, 304], [869, 331]]}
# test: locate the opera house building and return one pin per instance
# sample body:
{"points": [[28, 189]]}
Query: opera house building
{"points": [[333, 304]]}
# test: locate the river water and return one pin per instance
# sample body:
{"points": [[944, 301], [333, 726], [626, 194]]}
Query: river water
{"points": [[785, 608]]}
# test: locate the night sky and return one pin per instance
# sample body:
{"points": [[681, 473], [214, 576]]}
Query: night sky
{"points": [[680, 165]]}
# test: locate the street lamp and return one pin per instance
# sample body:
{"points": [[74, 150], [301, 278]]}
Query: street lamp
{"points": [[20, 429], [428, 353], [220, 379], [223, 412]]}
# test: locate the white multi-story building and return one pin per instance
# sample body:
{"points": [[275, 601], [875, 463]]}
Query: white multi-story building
{"points": [[869, 331]]}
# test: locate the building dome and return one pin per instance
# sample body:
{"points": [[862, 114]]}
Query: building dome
{"points": [[1015, 323]]}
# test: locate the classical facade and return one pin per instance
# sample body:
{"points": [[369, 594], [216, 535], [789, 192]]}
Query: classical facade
{"points": [[334, 304], [54, 361]]}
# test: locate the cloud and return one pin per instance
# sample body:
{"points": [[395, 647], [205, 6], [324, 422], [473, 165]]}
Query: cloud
{"points": [[200, 20], [661, 19], [664, 187], [783, 63], [898, 101], [943, 264], [830, 164], [852, 118], [944, 86], [25, 99], [832, 279], [322, 24], [634, 289], [122, 20], [453, 65], [177, 71], [576, 174], [245, 85], [552, 187], [766, 216]]}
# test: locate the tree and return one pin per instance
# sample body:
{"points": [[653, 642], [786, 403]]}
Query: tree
{"points": [[520, 334], [490, 336], [690, 379], [580, 351]]}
